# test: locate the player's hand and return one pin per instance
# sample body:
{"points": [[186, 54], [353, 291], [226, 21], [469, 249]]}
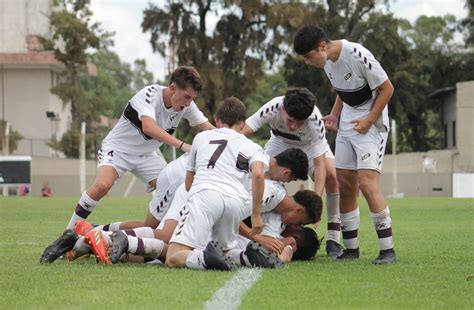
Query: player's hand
{"points": [[257, 224], [272, 244], [330, 122], [361, 125], [186, 148]]}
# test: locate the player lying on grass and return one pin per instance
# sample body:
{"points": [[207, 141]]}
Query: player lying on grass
{"points": [[295, 121]]}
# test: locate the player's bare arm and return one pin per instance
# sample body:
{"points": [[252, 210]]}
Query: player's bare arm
{"points": [[156, 132], [269, 243], [247, 131], [385, 92], [189, 179], [206, 126], [331, 120], [319, 174], [258, 186]]}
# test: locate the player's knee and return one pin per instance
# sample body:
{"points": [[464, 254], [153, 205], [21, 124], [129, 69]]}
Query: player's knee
{"points": [[331, 182], [367, 186], [102, 187], [172, 261]]}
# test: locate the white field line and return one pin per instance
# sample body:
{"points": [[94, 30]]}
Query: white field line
{"points": [[230, 296]]}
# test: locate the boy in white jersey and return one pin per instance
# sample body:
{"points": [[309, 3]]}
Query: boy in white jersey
{"points": [[295, 121], [220, 162], [148, 121], [363, 92]]}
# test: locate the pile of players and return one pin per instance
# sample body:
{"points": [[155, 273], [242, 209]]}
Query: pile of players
{"points": [[222, 204]]}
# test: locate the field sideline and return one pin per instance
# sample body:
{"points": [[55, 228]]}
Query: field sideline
{"points": [[433, 239]]}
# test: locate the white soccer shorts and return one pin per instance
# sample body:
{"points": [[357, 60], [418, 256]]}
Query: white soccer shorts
{"points": [[361, 151], [145, 167], [208, 215], [170, 209]]}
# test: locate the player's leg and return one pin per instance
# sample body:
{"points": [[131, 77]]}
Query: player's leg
{"points": [[333, 235], [188, 244], [105, 178], [147, 168], [146, 247], [346, 165], [372, 148]]}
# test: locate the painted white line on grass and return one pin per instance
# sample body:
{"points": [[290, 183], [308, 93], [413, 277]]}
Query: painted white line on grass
{"points": [[229, 297]]}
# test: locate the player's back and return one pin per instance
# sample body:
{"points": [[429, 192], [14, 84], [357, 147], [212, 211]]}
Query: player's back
{"points": [[221, 160]]}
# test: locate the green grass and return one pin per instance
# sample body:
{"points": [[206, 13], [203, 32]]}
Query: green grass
{"points": [[434, 241]]}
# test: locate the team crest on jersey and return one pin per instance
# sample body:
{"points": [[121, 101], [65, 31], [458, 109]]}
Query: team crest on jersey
{"points": [[173, 116], [347, 76]]}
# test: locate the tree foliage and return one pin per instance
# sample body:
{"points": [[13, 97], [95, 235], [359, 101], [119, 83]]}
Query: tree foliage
{"points": [[13, 138]]}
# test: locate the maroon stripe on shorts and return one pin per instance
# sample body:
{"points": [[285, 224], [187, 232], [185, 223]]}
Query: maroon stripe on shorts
{"points": [[130, 232], [80, 211], [334, 226], [351, 234], [384, 233], [140, 247]]}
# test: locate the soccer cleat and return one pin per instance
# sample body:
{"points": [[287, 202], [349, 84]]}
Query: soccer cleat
{"points": [[80, 249], [333, 249], [258, 256], [385, 257], [118, 247], [349, 254], [60, 246], [98, 246], [82, 227], [214, 258]]}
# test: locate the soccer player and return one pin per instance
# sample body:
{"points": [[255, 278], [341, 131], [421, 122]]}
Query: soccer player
{"points": [[363, 92], [295, 121], [220, 162], [148, 121]]}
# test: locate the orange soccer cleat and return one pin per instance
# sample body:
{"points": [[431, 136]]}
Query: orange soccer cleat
{"points": [[98, 246], [82, 227]]}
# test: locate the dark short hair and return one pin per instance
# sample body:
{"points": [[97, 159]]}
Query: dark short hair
{"points": [[296, 160], [186, 77], [231, 111], [308, 38], [311, 202], [308, 245], [299, 103]]}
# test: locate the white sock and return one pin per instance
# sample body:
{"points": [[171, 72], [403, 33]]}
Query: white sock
{"points": [[132, 244], [153, 247], [350, 227], [114, 226], [81, 247], [383, 227], [142, 232], [84, 207], [333, 216], [195, 260]]}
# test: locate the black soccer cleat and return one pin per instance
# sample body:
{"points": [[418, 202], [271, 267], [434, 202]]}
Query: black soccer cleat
{"points": [[59, 247], [214, 258], [118, 247], [349, 254], [333, 249], [385, 257], [258, 256]]}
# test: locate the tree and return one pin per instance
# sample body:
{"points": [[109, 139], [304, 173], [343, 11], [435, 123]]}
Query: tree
{"points": [[13, 139]]}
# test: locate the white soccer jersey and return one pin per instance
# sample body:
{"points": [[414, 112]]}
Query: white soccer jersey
{"points": [[312, 131], [127, 136], [221, 159], [355, 75], [272, 195], [273, 227]]}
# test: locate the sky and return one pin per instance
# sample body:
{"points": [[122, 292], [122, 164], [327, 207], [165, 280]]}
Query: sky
{"points": [[124, 17]]}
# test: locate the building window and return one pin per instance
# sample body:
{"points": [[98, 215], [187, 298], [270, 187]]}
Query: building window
{"points": [[445, 135], [454, 133]]}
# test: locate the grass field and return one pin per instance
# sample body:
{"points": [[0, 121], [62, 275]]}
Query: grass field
{"points": [[434, 240]]}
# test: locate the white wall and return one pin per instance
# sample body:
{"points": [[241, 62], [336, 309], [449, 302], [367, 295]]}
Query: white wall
{"points": [[463, 185], [19, 18]]}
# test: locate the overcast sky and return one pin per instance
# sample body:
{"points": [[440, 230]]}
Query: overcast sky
{"points": [[124, 17]]}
